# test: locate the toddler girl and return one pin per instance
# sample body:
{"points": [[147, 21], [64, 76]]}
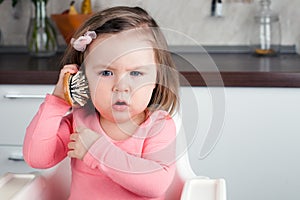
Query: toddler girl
{"points": [[122, 140]]}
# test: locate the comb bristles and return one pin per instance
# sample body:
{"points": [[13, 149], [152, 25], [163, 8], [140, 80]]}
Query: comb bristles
{"points": [[79, 88]]}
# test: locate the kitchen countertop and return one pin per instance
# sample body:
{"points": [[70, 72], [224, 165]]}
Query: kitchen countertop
{"points": [[196, 69]]}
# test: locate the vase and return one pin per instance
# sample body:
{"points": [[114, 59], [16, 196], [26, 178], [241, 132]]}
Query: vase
{"points": [[41, 35], [266, 31]]}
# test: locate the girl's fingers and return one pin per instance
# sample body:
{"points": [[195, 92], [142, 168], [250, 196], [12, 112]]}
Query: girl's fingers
{"points": [[71, 145], [71, 154], [74, 136], [71, 68], [76, 147], [59, 88]]}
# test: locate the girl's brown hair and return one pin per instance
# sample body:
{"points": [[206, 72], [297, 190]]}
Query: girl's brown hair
{"points": [[121, 18]]}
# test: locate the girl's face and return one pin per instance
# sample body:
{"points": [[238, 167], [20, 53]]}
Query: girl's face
{"points": [[121, 72]]}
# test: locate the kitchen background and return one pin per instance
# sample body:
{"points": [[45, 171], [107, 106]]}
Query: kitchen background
{"points": [[259, 146], [188, 17]]}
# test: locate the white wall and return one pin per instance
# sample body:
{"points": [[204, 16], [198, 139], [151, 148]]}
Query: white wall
{"points": [[258, 151], [187, 17]]}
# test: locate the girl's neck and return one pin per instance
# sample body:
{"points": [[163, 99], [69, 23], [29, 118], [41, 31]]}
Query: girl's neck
{"points": [[121, 131]]}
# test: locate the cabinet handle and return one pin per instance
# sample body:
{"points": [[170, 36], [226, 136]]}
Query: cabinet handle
{"points": [[24, 96], [16, 156], [16, 159]]}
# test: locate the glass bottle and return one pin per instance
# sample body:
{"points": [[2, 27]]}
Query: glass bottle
{"points": [[266, 33], [41, 35]]}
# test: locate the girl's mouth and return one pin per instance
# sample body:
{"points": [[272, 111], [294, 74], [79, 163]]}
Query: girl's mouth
{"points": [[120, 103], [120, 106]]}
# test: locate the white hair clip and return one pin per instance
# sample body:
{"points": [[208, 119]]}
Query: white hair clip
{"points": [[80, 43]]}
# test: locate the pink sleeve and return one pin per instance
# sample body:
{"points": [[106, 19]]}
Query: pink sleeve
{"points": [[47, 135], [149, 175]]}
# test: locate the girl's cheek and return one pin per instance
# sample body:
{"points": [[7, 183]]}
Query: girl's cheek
{"points": [[94, 84], [101, 90]]}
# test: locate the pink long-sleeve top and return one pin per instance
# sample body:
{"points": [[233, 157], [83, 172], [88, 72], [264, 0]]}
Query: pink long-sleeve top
{"points": [[140, 167]]}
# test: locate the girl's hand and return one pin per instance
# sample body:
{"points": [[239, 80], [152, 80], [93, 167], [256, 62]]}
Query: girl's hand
{"points": [[81, 142], [59, 88], [76, 147]]}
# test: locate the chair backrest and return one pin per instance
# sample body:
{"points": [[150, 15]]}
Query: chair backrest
{"points": [[187, 185], [183, 167], [183, 173]]}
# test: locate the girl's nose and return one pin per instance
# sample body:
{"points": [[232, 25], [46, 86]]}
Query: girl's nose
{"points": [[121, 84]]}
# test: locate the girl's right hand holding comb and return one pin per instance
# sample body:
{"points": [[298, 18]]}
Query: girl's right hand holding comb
{"points": [[59, 88]]}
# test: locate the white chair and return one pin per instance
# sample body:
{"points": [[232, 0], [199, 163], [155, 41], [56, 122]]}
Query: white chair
{"points": [[185, 186], [188, 186]]}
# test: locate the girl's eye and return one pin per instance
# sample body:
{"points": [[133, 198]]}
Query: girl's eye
{"points": [[106, 73], [135, 73]]}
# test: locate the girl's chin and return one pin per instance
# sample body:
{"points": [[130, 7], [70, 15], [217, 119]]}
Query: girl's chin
{"points": [[118, 117], [125, 117]]}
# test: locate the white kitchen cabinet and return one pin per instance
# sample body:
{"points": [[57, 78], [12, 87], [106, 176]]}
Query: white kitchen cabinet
{"points": [[259, 148], [18, 104]]}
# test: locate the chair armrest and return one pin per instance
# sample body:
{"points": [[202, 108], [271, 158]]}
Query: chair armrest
{"points": [[208, 189], [16, 186]]}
